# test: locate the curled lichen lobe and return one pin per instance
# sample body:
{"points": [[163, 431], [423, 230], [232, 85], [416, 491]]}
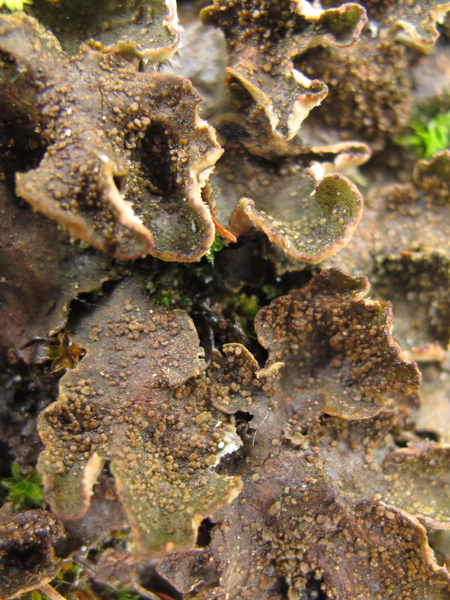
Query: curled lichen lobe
{"points": [[127, 152], [264, 38], [337, 343]]}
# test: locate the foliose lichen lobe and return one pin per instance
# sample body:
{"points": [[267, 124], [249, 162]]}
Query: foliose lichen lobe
{"points": [[27, 557], [127, 152], [317, 208], [264, 38], [139, 400], [335, 474], [338, 343]]}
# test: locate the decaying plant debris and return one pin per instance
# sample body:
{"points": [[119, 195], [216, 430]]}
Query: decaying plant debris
{"points": [[272, 420]]}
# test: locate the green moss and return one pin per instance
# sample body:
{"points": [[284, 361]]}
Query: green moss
{"points": [[271, 291], [247, 306], [25, 491], [70, 577], [217, 245], [121, 594], [428, 137]]}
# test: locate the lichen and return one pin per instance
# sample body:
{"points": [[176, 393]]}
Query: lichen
{"points": [[415, 24], [433, 415], [138, 400], [252, 421], [42, 271], [370, 88], [146, 31], [265, 38], [27, 557], [316, 211], [109, 127], [402, 243], [339, 355], [319, 492]]}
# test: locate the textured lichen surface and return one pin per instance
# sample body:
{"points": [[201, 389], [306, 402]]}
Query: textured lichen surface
{"points": [[265, 37], [313, 484], [313, 217], [145, 30], [270, 421], [403, 240], [41, 270], [27, 557], [369, 88], [136, 400], [337, 346], [109, 127]]}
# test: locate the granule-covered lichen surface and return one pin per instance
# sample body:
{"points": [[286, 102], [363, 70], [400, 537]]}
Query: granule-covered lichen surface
{"points": [[225, 323], [127, 152], [265, 37], [138, 400]]}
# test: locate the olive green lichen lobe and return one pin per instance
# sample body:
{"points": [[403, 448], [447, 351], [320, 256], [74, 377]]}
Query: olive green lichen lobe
{"points": [[142, 30], [316, 211], [427, 495]]}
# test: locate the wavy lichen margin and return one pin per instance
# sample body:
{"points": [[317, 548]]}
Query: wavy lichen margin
{"points": [[127, 153], [139, 399], [264, 39], [328, 217]]}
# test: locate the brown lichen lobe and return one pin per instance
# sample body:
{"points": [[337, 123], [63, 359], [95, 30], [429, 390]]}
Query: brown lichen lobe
{"points": [[138, 399], [339, 354], [427, 493], [127, 153], [264, 38], [140, 30], [328, 503], [42, 271], [370, 91], [317, 495], [402, 244], [415, 23], [27, 558]]}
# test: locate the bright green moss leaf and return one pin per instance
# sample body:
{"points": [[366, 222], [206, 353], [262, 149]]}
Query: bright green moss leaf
{"points": [[429, 138], [25, 491]]}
